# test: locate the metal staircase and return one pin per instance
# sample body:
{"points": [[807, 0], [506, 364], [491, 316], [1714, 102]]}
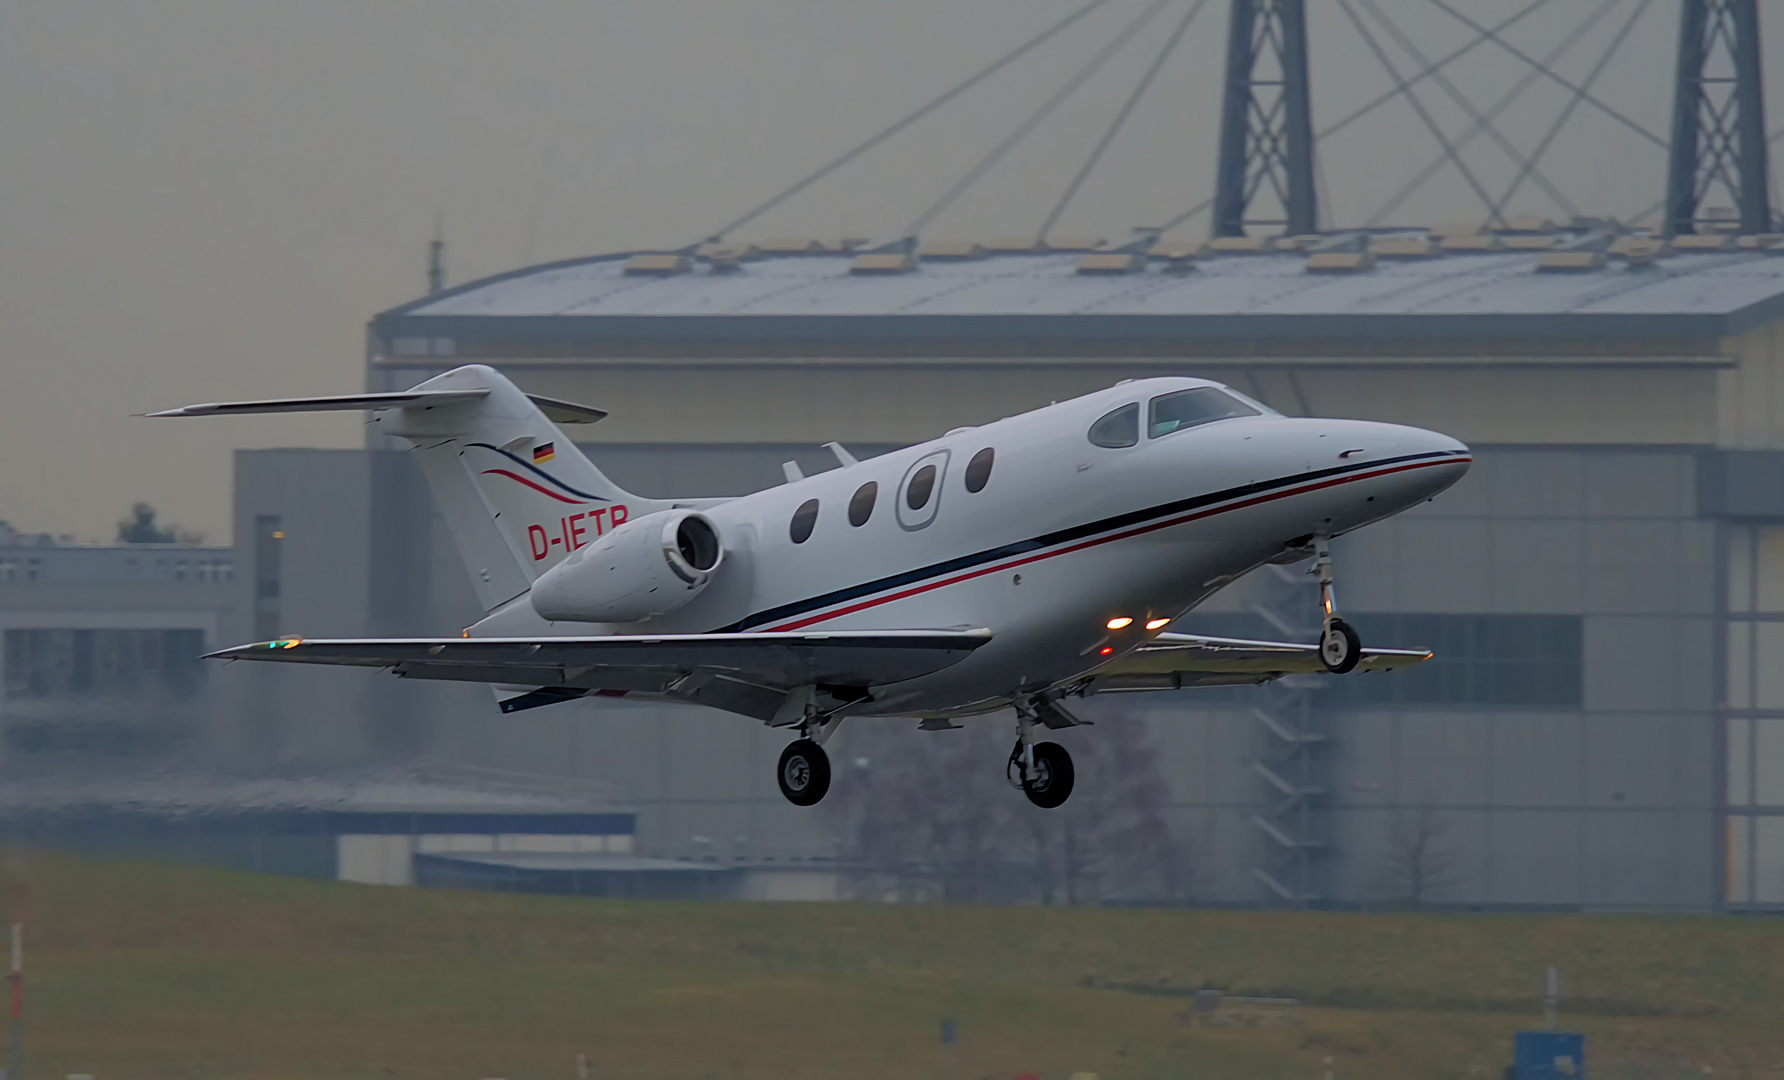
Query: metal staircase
{"points": [[1294, 766]]}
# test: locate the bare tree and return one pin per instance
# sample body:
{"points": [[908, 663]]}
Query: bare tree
{"points": [[931, 817], [1418, 865]]}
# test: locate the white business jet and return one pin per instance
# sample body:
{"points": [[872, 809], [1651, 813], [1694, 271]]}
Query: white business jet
{"points": [[1015, 565]]}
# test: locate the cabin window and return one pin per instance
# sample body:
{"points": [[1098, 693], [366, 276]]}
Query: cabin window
{"points": [[1192, 408], [978, 470], [916, 494], [804, 520], [861, 506], [1119, 428]]}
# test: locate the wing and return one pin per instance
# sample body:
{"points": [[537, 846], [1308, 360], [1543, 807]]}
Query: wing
{"points": [[750, 674], [1176, 661]]}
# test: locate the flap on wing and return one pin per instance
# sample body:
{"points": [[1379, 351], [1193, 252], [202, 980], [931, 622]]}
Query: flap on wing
{"points": [[1173, 661], [641, 662], [404, 399]]}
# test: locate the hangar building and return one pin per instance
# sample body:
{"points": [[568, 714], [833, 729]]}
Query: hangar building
{"points": [[1604, 726]]}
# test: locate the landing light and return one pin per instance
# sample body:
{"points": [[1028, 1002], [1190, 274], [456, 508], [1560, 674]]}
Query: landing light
{"points": [[1156, 624], [1121, 623]]}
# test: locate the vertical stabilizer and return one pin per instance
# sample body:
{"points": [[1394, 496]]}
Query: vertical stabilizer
{"points": [[516, 493]]}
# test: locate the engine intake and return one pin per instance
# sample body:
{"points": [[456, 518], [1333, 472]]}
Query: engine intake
{"points": [[649, 566]]}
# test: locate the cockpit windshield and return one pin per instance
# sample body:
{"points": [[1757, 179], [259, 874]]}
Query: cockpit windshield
{"points": [[1191, 408]]}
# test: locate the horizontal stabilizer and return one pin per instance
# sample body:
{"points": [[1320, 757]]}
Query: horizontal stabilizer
{"points": [[555, 410], [405, 399]]}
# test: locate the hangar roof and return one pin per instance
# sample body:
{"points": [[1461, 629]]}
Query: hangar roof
{"points": [[1568, 289]]}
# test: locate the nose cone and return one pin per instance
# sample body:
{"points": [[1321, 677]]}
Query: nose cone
{"points": [[1434, 460]]}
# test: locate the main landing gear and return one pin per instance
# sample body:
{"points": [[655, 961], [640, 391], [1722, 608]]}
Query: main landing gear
{"points": [[1042, 770], [1340, 649], [804, 772]]}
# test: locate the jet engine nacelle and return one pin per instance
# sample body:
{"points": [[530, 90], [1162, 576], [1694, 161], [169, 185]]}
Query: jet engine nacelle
{"points": [[649, 566]]}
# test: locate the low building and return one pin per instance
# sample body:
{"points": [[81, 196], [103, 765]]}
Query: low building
{"points": [[102, 642]]}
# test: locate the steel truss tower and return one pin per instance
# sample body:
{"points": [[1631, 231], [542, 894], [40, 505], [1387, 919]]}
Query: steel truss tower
{"points": [[1718, 133], [1266, 124]]}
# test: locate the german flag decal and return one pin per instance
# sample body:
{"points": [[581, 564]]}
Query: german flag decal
{"points": [[543, 453]]}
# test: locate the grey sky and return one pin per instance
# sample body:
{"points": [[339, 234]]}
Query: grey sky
{"points": [[205, 200]]}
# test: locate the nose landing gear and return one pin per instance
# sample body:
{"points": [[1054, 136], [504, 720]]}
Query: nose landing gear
{"points": [[1042, 770], [1340, 648]]}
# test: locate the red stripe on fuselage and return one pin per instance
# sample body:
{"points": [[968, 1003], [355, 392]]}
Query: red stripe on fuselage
{"points": [[535, 487], [1180, 519]]}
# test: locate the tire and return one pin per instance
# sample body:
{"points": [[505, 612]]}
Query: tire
{"points": [[1340, 649], [804, 772], [1049, 783]]}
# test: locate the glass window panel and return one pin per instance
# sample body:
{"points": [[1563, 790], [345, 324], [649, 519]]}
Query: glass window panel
{"points": [[1768, 860], [1769, 569], [1740, 569], [1740, 860], [1768, 762], [1192, 408], [1740, 665], [1740, 761], [1768, 665], [1118, 428]]}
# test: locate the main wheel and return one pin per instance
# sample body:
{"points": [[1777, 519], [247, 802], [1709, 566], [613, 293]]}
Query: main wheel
{"points": [[804, 772], [1049, 782], [1340, 649]]}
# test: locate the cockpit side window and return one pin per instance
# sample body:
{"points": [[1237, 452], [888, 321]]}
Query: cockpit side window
{"points": [[1192, 408], [1117, 429]]}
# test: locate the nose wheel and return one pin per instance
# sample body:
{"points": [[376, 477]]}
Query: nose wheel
{"points": [[1340, 648], [1048, 777], [1042, 770]]}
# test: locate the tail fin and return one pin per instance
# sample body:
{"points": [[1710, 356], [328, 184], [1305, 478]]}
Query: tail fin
{"points": [[516, 494]]}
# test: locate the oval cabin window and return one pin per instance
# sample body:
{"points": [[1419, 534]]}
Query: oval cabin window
{"points": [[978, 470], [1119, 428], [804, 520], [916, 496], [861, 506]]}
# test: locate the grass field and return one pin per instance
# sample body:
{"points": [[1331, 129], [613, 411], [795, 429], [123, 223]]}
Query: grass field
{"points": [[144, 971]]}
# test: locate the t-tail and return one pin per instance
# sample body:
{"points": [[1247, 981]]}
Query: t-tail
{"points": [[516, 494]]}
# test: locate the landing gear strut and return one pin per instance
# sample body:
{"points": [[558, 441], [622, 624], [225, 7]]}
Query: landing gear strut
{"points": [[804, 770], [1340, 649], [1042, 770]]}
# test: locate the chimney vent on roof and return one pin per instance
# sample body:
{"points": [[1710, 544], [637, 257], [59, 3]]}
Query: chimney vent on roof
{"points": [[1570, 262], [1639, 251], [883, 262], [656, 265], [1704, 242]]}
